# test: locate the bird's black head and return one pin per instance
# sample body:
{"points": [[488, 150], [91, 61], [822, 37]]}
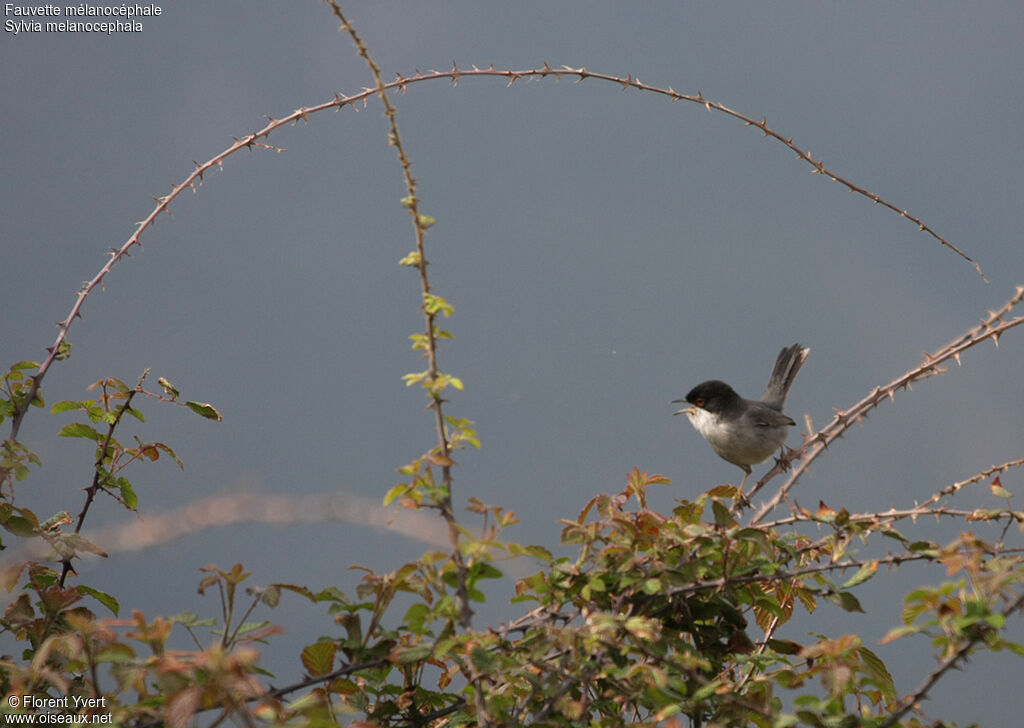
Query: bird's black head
{"points": [[714, 396]]}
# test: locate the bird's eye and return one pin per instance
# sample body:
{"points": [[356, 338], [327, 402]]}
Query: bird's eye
{"points": [[700, 401]]}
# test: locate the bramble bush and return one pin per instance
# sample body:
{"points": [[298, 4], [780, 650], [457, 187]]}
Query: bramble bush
{"points": [[657, 617]]}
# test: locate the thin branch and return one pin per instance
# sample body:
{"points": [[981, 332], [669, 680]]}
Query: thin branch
{"points": [[444, 447], [814, 445], [887, 518], [907, 703], [465, 611], [401, 83], [880, 520], [769, 633], [101, 455], [277, 693], [426, 718], [983, 475], [548, 614], [760, 576]]}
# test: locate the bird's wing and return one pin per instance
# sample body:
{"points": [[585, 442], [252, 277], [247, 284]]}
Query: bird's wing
{"points": [[763, 416]]}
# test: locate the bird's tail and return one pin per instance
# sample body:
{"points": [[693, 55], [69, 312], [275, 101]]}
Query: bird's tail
{"points": [[786, 367]]}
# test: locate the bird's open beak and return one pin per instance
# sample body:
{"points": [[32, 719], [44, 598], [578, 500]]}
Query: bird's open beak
{"points": [[685, 410]]}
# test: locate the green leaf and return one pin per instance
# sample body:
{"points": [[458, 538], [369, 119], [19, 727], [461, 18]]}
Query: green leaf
{"points": [[300, 590], [20, 526], [396, 492], [770, 605], [205, 410], [78, 429], [754, 535], [103, 598], [68, 405], [117, 385], [191, 619], [847, 601], [414, 378], [169, 388], [131, 500], [344, 686], [412, 653], [707, 690], [433, 304], [722, 516], [877, 669], [864, 573], [416, 618], [539, 552], [785, 647], [483, 570], [170, 453], [248, 627], [483, 659], [116, 653], [420, 342], [412, 259], [668, 711], [919, 595], [318, 658], [652, 586]]}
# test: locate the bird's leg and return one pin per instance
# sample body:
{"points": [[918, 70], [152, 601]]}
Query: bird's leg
{"points": [[740, 498]]}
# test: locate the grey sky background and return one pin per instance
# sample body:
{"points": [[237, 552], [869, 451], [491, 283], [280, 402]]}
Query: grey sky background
{"points": [[604, 250]]}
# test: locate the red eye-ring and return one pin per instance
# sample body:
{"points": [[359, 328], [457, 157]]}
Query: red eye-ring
{"points": [[700, 401]]}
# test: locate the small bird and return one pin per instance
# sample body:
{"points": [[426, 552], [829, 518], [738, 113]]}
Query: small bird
{"points": [[743, 431]]}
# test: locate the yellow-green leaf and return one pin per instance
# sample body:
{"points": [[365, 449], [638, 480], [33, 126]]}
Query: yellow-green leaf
{"points": [[318, 658], [206, 410], [412, 259], [396, 492]]}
